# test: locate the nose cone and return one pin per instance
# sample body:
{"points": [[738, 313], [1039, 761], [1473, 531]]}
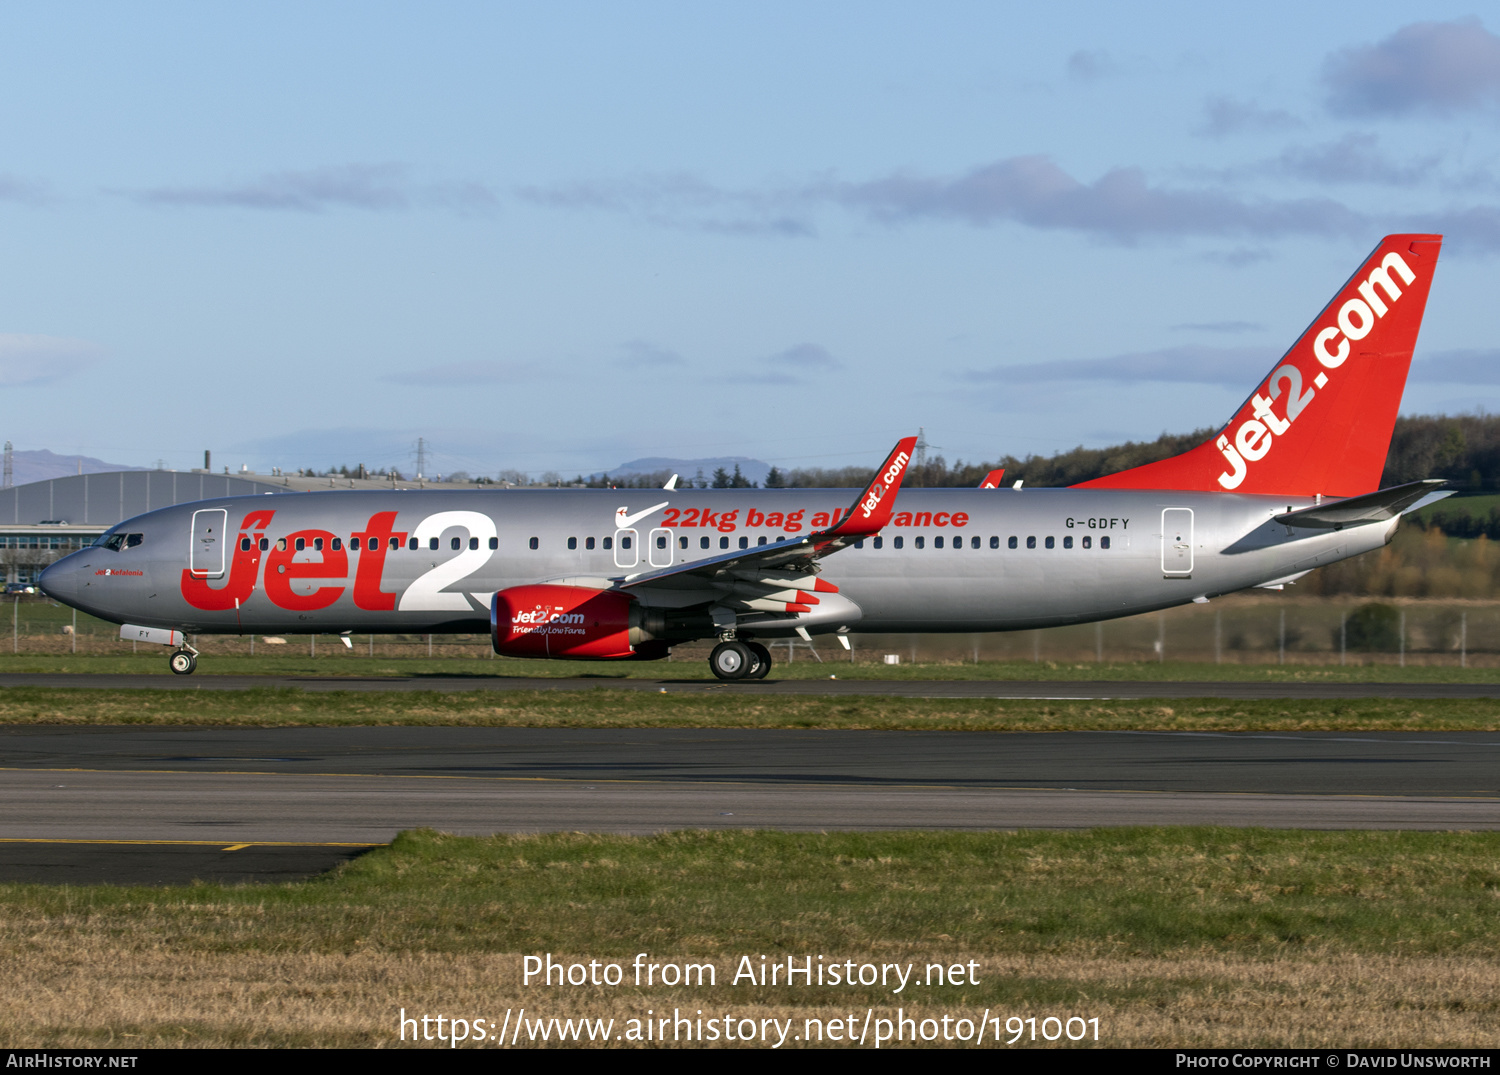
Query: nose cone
{"points": [[60, 581]]}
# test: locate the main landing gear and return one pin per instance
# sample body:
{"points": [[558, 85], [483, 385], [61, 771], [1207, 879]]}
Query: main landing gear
{"points": [[183, 661], [740, 660]]}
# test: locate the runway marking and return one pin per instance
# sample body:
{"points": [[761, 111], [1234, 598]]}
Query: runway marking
{"points": [[185, 843], [740, 784]]}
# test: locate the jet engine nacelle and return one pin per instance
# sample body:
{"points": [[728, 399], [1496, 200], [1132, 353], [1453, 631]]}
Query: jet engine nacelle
{"points": [[571, 621]]}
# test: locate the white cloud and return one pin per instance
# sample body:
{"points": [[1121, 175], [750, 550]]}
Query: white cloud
{"points": [[27, 360], [1435, 67], [371, 187], [1190, 364]]}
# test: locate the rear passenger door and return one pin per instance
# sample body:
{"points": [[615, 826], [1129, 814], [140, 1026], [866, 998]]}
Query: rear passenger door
{"points": [[1177, 542]]}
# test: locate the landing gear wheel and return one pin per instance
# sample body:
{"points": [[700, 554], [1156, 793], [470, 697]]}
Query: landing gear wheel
{"points": [[762, 658], [183, 662], [731, 660]]}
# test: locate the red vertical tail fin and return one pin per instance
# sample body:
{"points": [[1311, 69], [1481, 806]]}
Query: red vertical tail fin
{"points": [[1321, 421]]}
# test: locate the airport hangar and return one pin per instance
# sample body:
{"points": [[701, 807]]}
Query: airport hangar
{"points": [[44, 521]]}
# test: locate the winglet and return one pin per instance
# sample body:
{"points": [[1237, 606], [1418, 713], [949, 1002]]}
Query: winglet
{"points": [[873, 508], [993, 479]]}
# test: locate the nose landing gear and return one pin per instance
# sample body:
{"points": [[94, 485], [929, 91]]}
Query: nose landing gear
{"points": [[184, 660]]}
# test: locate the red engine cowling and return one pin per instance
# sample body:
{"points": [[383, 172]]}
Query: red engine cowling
{"points": [[563, 621]]}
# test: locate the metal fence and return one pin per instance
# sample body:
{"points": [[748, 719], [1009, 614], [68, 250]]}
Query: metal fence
{"points": [[1238, 630], [1233, 630]]}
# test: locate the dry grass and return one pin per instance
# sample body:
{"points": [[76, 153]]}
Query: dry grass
{"points": [[108, 991]]}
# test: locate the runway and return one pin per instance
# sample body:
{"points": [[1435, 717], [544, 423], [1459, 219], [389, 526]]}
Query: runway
{"points": [[225, 787], [891, 688]]}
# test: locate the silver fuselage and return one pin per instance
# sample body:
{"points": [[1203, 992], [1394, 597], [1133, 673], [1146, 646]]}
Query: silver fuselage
{"points": [[927, 574]]}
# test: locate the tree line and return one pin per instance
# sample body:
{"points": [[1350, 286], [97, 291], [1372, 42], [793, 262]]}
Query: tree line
{"points": [[1461, 449]]}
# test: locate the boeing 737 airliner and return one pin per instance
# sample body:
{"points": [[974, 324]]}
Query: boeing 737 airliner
{"points": [[1289, 484]]}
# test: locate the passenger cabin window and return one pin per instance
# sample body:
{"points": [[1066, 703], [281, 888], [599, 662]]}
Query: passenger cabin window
{"points": [[533, 543], [432, 544], [588, 543], [1104, 542], [682, 543], [744, 543], [412, 544], [454, 543], [723, 543], [1068, 542], [761, 540], [1088, 542], [473, 543], [937, 542], [395, 543], [703, 543], [572, 543], [609, 543], [1011, 543], [318, 544], [880, 543], [899, 541], [375, 544], [1051, 541], [624, 542], [338, 543], [494, 543], [244, 544], [265, 544], [1031, 542], [301, 544], [921, 541]]}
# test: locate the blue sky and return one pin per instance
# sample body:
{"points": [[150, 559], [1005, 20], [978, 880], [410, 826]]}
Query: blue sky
{"points": [[557, 237]]}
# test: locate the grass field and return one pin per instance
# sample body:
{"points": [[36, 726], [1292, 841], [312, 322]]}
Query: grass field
{"points": [[605, 708], [1169, 937]]}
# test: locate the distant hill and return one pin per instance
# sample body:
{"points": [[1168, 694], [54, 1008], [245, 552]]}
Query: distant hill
{"points": [[40, 465], [753, 469]]}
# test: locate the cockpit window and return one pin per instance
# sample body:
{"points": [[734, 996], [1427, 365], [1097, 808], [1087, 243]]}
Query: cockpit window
{"points": [[132, 540], [118, 542]]}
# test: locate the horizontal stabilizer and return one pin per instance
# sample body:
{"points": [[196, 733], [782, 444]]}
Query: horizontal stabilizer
{"points": [[1356, 510]]}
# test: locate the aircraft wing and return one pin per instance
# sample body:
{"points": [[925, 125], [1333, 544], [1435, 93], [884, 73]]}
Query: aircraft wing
{"points": [[782, 576], [1371, 508]]}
